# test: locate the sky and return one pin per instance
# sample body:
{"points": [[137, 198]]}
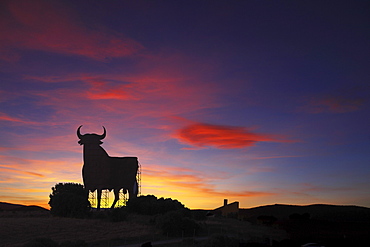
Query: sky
{"points": [[261, 102]]}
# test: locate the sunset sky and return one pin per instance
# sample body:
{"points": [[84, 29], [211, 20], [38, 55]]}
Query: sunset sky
{"points": [[260, 102]]}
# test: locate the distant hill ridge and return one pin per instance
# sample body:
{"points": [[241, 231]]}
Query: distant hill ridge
{"points": [[5, 206], [316, 211]]}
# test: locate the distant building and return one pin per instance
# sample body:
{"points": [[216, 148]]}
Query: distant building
{"points": [[228, 210]]}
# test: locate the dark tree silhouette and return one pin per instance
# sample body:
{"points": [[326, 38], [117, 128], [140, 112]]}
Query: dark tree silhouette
{"points": [[151, 205], [69, 200]]}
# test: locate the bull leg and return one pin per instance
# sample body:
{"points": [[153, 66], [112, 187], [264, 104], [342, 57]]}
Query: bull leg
{"points": [[133, 190], [98, 199], [116, 197], [136, 188]]}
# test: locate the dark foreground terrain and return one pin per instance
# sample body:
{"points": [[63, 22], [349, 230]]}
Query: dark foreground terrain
{"points": [[19, 228], [329, 225], [276, 225]]}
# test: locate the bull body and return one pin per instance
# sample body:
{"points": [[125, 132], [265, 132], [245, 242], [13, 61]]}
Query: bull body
{"points": [[100, 171]]}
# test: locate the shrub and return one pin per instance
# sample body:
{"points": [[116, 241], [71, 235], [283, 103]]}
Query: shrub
{"points": [[69, 200], [150, 205], [177, 223]]}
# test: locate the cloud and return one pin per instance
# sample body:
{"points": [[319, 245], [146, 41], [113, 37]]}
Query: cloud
{"points": [[101, 90], [191, 182], [46, 169], [52, 27], [276, 157], [335, 104], [6, 169], [221, 136], [6, 117], [314, 188], [41, 141], [145, 93], [34, 177]]}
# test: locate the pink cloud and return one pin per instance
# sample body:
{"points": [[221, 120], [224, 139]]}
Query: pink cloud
{"points": [[51, 26], [276, 157], [100, 89], [312, 188], [157, 87], [145, 94], [220, 136], [335, 104], [6, 117]]}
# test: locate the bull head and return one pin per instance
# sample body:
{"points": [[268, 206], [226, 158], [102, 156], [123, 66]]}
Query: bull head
{"points": [[90, 138]]}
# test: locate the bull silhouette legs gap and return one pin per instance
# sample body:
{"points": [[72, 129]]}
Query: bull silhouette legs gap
{"points": [[102, 172]]}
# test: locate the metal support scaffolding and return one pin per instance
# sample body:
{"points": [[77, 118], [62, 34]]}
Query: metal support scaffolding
{"points": [[138, 178], [104, 201], [122, 200], [92, 198]]}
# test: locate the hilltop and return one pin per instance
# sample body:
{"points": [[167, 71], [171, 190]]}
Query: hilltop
{"points": [[5, 206], [315, 211]]}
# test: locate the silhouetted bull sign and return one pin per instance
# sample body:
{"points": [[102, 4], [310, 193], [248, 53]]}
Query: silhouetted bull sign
{"points": [[100, 171]]}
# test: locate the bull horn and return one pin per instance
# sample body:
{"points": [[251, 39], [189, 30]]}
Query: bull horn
{"points": [[79, 133], [103, 135]]}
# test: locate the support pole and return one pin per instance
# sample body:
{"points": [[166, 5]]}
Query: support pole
{"points": [[122, 198], [104, 199], [138, 179], [92, 199]]}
